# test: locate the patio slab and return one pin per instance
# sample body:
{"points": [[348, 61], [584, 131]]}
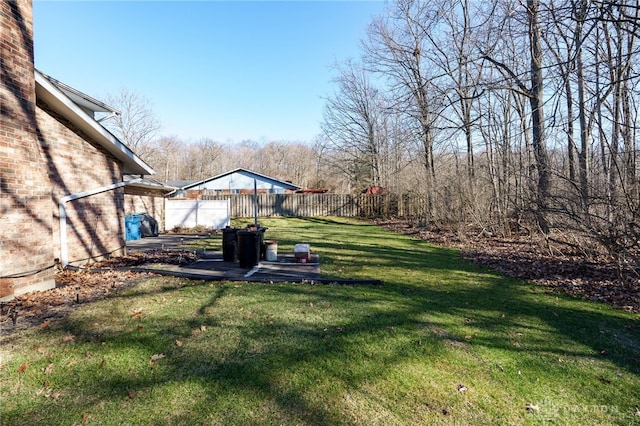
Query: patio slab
{"points": [[211, 266]]}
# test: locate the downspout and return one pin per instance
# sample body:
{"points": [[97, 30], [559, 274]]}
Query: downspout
{"points": [[64, 252]]}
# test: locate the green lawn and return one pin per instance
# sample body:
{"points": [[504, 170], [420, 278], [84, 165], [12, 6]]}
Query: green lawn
{"points": [[441, 342]]}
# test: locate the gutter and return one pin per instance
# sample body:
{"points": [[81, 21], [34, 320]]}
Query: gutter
{"points": [[64, 251]]}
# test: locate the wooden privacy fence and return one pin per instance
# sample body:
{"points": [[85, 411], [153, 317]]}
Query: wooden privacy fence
{"points": [[314, 205]]}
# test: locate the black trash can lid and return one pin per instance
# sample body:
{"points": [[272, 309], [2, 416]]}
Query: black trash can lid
{"points": [[247, 231]]}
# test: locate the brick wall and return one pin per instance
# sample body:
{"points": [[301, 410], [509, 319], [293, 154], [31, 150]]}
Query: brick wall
{"points": [[42, 159], [26, 259], [95, 224]]}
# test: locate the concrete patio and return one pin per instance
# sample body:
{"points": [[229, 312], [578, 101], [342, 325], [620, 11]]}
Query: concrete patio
{"points": [[212, 266]]}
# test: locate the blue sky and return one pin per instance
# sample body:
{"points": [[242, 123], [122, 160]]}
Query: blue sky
{"points": [[229, 71]]}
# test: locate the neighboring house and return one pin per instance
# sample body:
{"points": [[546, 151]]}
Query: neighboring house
{"points": [[181, 183], [238, 181], [62, 193]]}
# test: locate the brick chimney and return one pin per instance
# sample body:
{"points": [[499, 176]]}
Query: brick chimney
{"points": [[26, 252]]}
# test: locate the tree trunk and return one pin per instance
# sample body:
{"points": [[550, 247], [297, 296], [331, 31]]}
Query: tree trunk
{"points": [[585, 132], [537, 117]]}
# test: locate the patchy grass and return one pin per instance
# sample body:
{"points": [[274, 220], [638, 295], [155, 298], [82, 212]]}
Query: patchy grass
{"points": [[441, 342]]}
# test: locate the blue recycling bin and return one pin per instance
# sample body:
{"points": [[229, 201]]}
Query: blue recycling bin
{"points": [[132, 227]]}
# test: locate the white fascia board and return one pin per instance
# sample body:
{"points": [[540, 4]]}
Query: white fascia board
{"points": [[268, 178], [243, 172], [164, 188], [58, 100]]}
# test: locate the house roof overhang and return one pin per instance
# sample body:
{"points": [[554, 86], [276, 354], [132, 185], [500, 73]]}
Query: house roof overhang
{"points": [[55, 96], [148, 183], [287, 185], [81, 99]]}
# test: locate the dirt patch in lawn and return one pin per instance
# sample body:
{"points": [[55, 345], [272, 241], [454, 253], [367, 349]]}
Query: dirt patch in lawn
{"points": [[554, 263]]}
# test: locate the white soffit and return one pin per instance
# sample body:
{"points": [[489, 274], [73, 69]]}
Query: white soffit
{"points": [[64, 105]]}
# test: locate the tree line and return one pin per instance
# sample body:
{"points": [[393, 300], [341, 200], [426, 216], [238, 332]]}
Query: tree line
{"points": [[519, 112], [499, 113]]}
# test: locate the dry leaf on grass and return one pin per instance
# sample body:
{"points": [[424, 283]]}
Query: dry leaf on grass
{"points": [[154, 359], [23, 367], [48, 393]]}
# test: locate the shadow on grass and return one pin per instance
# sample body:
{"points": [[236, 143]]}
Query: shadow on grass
{"points": [[269, 363], [255, 370]]}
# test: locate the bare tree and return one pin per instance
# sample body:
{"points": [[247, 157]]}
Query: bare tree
{"points": [[165, 159], [398, 49], [354, 125], [136, 125], [453, 52], [534, 91], [569, 34], [202, 158]]}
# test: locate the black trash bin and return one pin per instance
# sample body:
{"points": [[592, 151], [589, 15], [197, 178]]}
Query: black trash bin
{"points": [[263, 247], [230, 244], [260, 231], [248, 248], [148, 225]]}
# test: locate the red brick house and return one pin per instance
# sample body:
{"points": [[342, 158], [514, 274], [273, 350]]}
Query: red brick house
{"points": [[62, 191]]}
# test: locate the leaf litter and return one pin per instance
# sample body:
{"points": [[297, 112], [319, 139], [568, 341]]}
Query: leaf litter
{"points": [[75, 287], [555, 264]]}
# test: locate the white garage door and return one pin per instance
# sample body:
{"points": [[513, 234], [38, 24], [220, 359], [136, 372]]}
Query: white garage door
{"points": [[191, 213]]}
